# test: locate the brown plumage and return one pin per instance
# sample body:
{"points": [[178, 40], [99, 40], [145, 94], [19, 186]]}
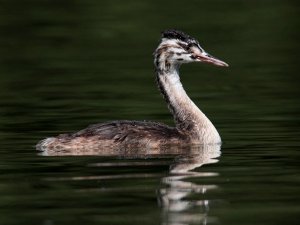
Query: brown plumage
{"points": [[118, 134]]}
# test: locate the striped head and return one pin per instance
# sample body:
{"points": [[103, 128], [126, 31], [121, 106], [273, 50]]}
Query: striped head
{"points": [[176, 48]]}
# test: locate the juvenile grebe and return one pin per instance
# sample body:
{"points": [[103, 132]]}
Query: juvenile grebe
{"points": [[192, 126]]}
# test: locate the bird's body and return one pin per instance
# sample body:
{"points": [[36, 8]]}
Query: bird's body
{"points": [[192, 126], [118, 134]]}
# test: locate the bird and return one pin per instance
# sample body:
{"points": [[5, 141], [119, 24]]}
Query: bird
{"points": [[191, 125]]}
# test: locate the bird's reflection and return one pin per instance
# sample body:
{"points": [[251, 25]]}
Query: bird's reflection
{"points": [[177, 208], [181, 195]]}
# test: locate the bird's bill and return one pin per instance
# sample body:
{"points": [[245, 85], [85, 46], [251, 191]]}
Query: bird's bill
{"points": [[206, 58]]}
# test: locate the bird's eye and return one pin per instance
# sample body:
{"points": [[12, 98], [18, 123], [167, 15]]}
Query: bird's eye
{"points": [[196, 45]]}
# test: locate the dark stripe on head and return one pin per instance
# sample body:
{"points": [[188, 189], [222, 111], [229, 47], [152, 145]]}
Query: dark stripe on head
{"points": [[176, 34], [184, 46]]}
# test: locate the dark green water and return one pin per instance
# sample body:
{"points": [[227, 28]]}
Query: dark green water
{"points": [[67, 64]]}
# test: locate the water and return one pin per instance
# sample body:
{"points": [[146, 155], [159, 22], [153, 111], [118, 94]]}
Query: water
{"points": [[67, 64]]}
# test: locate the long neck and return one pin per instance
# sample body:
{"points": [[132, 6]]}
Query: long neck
{"points": [[188, 117]]}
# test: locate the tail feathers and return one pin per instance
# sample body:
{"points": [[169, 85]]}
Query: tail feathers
{"points": [[43, 145]]}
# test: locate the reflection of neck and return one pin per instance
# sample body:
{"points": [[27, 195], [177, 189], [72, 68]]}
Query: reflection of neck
{"points": [[176, 189], [198, 155], [188, 117]]}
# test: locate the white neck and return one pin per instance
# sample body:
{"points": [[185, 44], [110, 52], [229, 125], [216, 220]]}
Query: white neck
{"points": [[188, 117]]}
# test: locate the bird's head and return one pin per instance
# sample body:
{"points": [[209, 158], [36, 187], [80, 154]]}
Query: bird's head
{"points": [[176, 48]]}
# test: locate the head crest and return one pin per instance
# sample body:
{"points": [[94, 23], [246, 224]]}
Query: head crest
{"points": [[176, 34]]}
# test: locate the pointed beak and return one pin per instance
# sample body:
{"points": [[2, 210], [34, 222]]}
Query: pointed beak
{"points": [[206, 58]]}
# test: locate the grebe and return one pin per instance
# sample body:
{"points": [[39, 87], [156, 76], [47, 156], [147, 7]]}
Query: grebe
{"points": [[192, 126]]}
